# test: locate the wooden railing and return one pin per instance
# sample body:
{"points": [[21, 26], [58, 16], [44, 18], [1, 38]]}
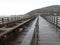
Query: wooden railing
{"points": [[54, 19], [11, 21]]}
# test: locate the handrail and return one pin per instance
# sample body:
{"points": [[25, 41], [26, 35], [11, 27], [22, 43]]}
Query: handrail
{"points": [[54, 19]]}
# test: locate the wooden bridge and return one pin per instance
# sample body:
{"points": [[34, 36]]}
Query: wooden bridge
{"points": [[33, 30]]}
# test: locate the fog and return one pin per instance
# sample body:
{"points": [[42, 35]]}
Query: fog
{"points": [[18, 7]]}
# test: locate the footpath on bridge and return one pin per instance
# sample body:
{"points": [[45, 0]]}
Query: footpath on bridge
{"points": [[48, 35]]}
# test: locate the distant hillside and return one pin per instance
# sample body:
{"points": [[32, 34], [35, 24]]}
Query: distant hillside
{"points": [[53, 8]]}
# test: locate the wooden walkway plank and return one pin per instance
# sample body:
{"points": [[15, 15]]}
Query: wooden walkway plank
{"points": [[47, 33]]}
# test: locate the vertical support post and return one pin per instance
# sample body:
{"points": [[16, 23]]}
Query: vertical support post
{"points": [[56, 22], [7, 21], [2, 21], [54, 19]]}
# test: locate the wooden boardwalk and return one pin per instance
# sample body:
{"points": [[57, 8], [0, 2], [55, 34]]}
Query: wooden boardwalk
{"points": [[48, 35]]}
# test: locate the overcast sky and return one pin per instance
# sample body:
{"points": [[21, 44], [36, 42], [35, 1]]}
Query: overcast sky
{"points": [[14, 7]]}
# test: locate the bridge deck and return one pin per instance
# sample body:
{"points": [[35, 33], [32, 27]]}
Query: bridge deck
{"points": [[48, 35]]}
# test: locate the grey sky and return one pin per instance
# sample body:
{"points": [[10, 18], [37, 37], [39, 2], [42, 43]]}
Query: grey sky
{"points": [[14, 7]]}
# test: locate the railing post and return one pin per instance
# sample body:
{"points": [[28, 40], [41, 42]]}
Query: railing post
{"points": [[56, 22], [2, 21]]}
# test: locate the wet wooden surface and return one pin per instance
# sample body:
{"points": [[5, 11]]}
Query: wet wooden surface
{"points": [[48, 35]]}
